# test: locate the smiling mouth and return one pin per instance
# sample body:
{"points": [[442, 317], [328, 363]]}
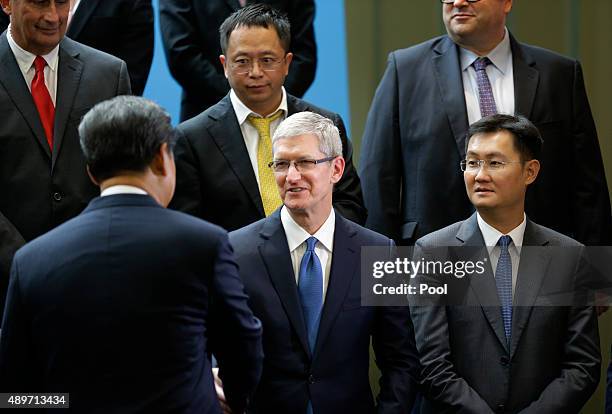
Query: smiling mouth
{"points": [[296, 190]]}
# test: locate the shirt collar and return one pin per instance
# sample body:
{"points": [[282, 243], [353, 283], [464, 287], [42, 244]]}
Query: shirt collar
{"points": [[242, 111], [501, 56], [491, 235], [122, 189], [25, 59], [296, 235]]}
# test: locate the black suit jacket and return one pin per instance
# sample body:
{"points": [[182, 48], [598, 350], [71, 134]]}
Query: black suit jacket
{"points": [[10, 241], [190, 32], [114, 308], [335, 376], [552, 364], [415, 138], [214, 177], [47, 188], [122, 28]]}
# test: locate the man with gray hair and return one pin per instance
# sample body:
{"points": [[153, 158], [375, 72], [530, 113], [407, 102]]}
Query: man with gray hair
{"points": [[117, 307], [301, 269]]}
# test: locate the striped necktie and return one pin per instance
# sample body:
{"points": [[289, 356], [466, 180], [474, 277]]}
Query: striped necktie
{"points": [[503, 280]]}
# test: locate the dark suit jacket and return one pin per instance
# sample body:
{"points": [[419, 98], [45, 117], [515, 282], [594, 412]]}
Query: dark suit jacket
{"points": [[415, 138], [47, 188], [122, 28], [114, 306], [552, 364], [215, 180], [335, 377], [10, 241], [190, 32]]}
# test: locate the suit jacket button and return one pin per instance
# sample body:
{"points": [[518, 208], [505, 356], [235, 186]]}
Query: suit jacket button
{"points": [[500, 408], [504, 361], [311, 379], [57, 196]]}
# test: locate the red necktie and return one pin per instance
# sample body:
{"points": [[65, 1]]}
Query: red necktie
{"points": [[42, 99]]}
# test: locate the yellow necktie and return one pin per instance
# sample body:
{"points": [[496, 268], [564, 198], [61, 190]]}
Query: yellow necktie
{"points": [[267, 184]]}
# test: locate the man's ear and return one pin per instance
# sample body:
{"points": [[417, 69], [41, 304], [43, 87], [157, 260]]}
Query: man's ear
{"points": [[91, 177], [158, 164], [532, 169], [223, 61], [288, 59], [6, 6], [338, 165]]}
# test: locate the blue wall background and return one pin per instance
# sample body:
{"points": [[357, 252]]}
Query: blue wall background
{"points": [[329, 90]]}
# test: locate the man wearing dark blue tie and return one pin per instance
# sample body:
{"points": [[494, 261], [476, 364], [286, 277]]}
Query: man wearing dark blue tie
{"points": [[512, 338], [301, 268]]}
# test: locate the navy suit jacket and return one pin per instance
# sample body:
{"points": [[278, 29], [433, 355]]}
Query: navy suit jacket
{"points": [[335, 376], [190, 31], [415, 137], [114, 307], [215, 179], [122, 28], [552, 363]]}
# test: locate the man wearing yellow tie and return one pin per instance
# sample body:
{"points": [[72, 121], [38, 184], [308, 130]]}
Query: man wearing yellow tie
{"points": [[222, 156]]}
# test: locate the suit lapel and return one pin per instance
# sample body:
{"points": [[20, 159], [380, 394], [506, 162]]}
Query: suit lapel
{"points": [[227, 135], [274, 252], [483, 286], [68, 78], [447, 71], [12, 80], [342, 272], [526, 78], [81, 17], [531, 274]]}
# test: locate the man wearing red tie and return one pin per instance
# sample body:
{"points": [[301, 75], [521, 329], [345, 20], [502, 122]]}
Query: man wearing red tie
{"points": [[47, 83]]}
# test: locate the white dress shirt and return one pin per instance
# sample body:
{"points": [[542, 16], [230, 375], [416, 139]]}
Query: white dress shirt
{"points": [[500, 75], [25, 60], [296, 239], [122, 189], [249, 132], [491, 236]]}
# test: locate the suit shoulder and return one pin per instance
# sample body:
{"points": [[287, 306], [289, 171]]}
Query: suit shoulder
{"points": [[442, 237], [89, 54], [201, 121], [245, 236], [546, 58], [418, 51], [366, 236], [301, 105], [554, 238]]}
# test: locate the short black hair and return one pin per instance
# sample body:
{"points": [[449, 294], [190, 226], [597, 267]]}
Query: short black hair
{"points": [[527, 138], [259, 15], [124, 134]]}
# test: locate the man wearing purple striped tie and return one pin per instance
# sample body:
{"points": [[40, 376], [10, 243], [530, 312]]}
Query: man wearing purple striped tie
{"points": [[430, 94]]}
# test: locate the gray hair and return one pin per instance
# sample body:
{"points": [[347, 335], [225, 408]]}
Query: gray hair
{"points": [[310, 123]]}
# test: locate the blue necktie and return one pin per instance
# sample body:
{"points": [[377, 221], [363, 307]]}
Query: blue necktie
{"points": [[310, 287], [503, 280], [486, 101]]}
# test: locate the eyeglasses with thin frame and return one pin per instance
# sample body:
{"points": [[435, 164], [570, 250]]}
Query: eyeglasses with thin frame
{"points": [[282, 166], [242, 66], [490, 165], [452, 1]]}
